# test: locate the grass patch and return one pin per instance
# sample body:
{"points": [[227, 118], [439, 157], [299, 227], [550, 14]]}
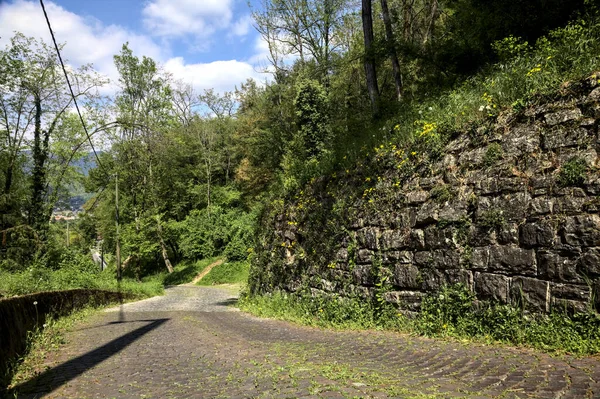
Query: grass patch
{"points": [[38, 279], [185, 271], [448, 313], [331, 312], [227, 273]]}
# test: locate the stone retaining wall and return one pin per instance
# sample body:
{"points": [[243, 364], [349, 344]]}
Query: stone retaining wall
{"points": [[19, 315], [497, 211]]}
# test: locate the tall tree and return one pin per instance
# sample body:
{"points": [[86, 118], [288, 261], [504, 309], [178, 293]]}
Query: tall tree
{"points": [[145, 110], [391, 45], [34, 100], [369, 57]]}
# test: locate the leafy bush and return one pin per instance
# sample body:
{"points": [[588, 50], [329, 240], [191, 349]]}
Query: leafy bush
{"points": [[492, 219], [493, 154], [212, 231], [573, 172]]}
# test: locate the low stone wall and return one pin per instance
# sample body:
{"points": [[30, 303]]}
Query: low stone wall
{"points": [[19, 315], [510, 209]]}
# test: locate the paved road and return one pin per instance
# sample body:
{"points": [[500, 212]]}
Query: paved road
{"points": [[192, 344]]}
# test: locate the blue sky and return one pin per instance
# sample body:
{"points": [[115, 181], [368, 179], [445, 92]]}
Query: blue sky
{"points": [[208, 43]]}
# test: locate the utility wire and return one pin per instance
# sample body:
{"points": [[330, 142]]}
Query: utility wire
{"points": [[71, 89]]}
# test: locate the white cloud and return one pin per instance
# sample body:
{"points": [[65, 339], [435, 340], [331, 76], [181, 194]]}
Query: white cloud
{"points": [[220, 75], [177, 18], [88, 40], [242, 26]]}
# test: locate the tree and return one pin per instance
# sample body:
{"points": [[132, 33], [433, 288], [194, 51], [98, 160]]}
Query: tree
{"points": [[34, 102], [369, 58], [304, 28], [391, 44], [145, 110]]}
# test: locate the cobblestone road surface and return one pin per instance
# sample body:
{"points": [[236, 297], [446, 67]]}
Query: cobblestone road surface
{"points": [[192, 344]]}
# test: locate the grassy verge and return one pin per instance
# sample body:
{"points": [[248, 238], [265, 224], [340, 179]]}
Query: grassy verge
{"points": [[227, 273], [448, 313], [43, 279]]}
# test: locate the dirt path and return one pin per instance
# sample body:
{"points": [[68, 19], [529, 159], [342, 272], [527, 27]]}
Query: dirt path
{"points": [[191, 344], [204, 272]]}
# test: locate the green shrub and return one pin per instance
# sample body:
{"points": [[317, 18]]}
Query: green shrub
{"points": [[442, 193], [493, 154], [211, 231], [492, 219], [573, 172]]}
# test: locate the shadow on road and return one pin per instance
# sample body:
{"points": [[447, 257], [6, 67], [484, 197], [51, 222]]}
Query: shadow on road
{"points": [[227, 302], [57, 376]]}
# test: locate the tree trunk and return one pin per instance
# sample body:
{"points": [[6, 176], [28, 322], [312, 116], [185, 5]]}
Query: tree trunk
{"points": [[163, 247], [37, 213], [432, 17], [367, 21], [389, 35]]}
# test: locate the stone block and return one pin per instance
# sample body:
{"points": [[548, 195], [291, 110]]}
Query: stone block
{"points": [[368, 238], [568, 306], [459, 276], [428, 213], [508, 233], [439, 259], [342, 255], [530, 293], [417, 239], [410, 300], [481, 236], [554, 267], [453, 211], [562, 116], [393, 239], [511, 185], [521, 139], [537, 234], [513, 260], [406, 276], [589, 155], [459, 144], [589, 262], [404, 257], [416, 197], [436, 237], [364, 256], [581, 230], [472, 158], [570, 291], [569, 204], [480, 258], [363, 275], [596, 294], [432, 279], [541, 206], [515, 206], [492, 286], [565, 137]]}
